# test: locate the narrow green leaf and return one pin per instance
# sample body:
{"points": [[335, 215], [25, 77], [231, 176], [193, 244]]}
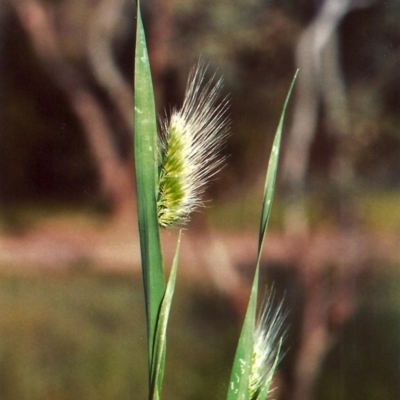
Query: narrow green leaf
{"points": [[271, 173], [146, 165], [239, 386], [161, 332], [240, 376]]}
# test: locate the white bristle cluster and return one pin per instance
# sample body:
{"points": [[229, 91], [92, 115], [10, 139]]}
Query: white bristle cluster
{"points": [[189, 145], [268, 336]]}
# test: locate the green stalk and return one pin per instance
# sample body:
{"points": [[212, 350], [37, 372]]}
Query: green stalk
{"points": [[239, 386], [146, 168]]}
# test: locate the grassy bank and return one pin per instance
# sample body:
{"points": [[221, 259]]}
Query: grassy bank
{"points": [[81, 335]]}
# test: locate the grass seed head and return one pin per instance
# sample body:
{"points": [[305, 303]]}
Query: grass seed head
{"points": [[190, 143], [268, 337]]}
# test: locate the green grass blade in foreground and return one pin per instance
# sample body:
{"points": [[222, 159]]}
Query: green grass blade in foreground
{"points": [[146, 167], [271, 174], [239, 384], [160, 341]]}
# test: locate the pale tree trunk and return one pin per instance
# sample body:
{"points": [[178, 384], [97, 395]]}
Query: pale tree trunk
{"points": [[103, 29], [309, 57], [328, 301], [37, 19]]}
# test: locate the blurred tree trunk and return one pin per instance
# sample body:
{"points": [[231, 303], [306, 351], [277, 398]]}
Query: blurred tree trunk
{"points": [[315, 336], [317, 81], [330, 295], [103, 30], [37, 19]]}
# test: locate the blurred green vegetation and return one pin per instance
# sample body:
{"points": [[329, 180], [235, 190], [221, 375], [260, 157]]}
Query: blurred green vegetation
{"points": [[364, 362], [27, 216], [78, 334], [377, 211], [70, 336]]}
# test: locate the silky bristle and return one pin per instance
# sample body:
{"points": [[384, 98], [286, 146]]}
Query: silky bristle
{"points": [[190, 144]]}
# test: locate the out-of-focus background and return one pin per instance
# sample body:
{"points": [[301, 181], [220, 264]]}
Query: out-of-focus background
{"points": [[71, 314]]}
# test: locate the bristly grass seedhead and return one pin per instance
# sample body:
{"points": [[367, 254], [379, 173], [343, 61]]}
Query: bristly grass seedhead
{"points": [[189, 148], [268, 338]]}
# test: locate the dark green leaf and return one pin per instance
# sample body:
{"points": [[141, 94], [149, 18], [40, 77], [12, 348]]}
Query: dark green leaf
{"points": [[146, 167], [239, 386], [271, 174], [240, 376], [160, 342]]}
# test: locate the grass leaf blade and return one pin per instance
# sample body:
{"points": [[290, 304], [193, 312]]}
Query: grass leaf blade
{"points": [[239, 385], [146, 167], [160, 342], [271, 173], [241, 371]]}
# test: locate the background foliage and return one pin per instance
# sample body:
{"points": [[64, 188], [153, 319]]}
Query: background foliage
{"points": [[43, 151], [66, 333]]}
